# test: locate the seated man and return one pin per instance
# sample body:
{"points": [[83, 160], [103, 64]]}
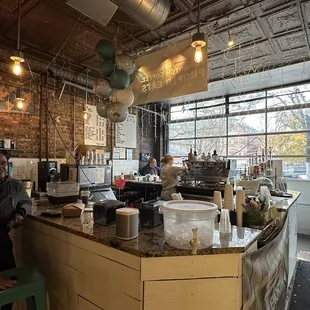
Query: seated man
{"points": [[151, 168], [14, 206]]}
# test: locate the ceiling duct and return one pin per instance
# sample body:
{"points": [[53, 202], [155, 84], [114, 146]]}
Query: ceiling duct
{"points": [[101, 12], [150, 14]]}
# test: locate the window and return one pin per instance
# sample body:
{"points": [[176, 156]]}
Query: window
{"points": [[180, 147], [245, 145], [212, 107], [181, 130], [184, 111], [246, 124], [211, 127], [243, 125], [288, 120], [209, 145]]}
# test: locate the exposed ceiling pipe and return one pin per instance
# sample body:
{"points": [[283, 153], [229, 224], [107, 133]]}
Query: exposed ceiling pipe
{"points": [[57, 72], [148, 13], [74, 85]]}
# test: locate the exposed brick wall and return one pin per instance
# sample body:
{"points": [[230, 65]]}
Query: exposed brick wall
{"points": [[25, 129]]}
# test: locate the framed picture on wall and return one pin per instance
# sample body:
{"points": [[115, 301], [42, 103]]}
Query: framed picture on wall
{"points": [[16, 100], [145, 156]]}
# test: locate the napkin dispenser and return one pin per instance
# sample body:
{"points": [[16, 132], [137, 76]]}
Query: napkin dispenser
{"points": [[104, 212], [149, 213]]}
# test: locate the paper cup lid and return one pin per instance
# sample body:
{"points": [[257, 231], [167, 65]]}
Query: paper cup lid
{"points": [[127, 211], [189, 206]]}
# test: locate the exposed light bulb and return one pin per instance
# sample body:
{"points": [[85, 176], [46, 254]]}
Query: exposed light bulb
{"points": [[230, 42], [198, 57], [20, 103], [85, 115], [17, 69]]}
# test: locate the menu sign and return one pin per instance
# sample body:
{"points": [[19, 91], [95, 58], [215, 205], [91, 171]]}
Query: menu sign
{"points": [[126, 133], [170, 72], [95, 128]]}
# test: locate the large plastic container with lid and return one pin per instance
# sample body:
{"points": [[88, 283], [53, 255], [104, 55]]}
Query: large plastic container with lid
{"points": [[62, 192], [182, 216]]}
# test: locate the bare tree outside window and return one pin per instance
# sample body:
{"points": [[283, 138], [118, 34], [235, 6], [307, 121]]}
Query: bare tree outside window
{"points": [[278, 119]]}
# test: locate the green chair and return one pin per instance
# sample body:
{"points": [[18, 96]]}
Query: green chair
{"points": [[30, 286]]}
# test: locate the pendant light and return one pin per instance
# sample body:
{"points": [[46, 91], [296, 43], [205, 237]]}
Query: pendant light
{"points": [[19, 100], [198, 40], [18, 56], [85, 114], [230, 42]]}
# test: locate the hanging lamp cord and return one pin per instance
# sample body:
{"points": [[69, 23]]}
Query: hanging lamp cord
{"points": [[18, 25], [198, 26], [86, 97]]}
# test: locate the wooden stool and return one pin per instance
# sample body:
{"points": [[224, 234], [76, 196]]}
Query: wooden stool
{"points": [[30, 286]]}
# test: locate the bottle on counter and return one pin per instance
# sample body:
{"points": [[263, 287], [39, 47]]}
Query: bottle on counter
{"points": [[95, 158], [11, 169], [87, 159], [195, 156], [190, 154], [77, 158], [203, 156], [122, 176], [214, 155], [208, 156], [82, 160]]}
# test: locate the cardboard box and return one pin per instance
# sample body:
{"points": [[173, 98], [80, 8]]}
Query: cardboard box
{"points": [[73, 210]]}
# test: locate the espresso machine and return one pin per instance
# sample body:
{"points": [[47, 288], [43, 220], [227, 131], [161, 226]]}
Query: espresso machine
{"points": [[47, 171], [203, 178]]}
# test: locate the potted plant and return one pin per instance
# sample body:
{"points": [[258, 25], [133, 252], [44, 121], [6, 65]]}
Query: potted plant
{"points": [[255, 213]]}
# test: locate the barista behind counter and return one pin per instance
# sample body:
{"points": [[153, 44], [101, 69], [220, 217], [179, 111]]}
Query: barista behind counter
{"points": [[169, 177]]}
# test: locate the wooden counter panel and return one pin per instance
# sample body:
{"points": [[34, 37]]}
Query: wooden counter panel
{"points": [[191, 267], [124, 258], [84, 304], [199, 294], [71, 271]]}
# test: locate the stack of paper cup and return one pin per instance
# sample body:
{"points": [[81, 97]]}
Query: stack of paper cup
{"points": [[225, 227], [240, 200], [217, 199], [228, 197]]}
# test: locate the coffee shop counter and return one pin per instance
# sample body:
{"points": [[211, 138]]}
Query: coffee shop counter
{"points": [[87, 268]]}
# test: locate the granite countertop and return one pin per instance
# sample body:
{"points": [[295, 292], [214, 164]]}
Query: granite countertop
{"points": [[143, 183], [150, 242], [284, 203]]}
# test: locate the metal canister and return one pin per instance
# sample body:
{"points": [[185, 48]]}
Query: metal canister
{"points": [[127, 223]]}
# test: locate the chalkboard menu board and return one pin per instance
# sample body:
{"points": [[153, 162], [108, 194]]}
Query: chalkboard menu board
{"points": [[95, 128], [126, 133]]}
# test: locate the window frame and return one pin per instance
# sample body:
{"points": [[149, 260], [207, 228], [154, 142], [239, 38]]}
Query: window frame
{"points": [[229, 114]]}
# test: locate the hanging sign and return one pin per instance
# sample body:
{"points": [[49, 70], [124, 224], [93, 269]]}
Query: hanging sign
{"points": [[169, 73], [95, 128], [126, 133]]}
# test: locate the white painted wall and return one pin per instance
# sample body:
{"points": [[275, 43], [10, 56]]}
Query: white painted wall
{"points": [[303, 204], [124, 166], [27, 168]]}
